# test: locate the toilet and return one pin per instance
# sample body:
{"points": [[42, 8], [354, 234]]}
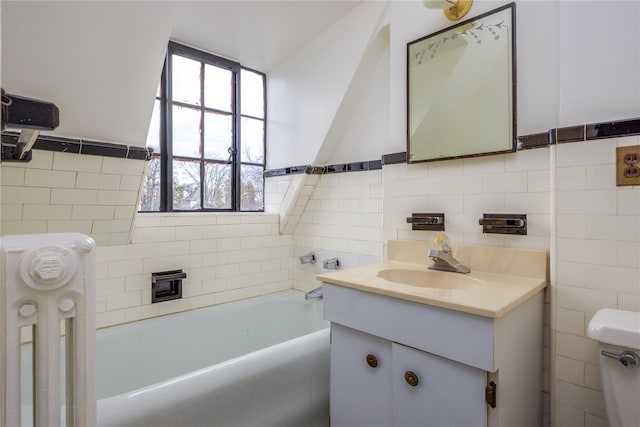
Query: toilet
{"points": [[618, 335]]}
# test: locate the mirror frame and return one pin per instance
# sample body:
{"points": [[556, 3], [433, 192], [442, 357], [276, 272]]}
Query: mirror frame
{"points": [[512, 83]]}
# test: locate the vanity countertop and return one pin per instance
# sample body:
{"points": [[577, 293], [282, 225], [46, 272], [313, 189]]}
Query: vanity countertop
{"points": [[491, 291]]}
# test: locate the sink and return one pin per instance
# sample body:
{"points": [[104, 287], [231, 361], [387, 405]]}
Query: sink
{"points": [[429, 278]]}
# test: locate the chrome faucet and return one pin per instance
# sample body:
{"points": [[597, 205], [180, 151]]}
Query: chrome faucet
{"points": [[443, 257], [314, 294]]}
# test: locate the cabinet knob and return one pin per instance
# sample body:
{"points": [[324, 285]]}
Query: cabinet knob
{"points": [[411, 378], [372, 360]]}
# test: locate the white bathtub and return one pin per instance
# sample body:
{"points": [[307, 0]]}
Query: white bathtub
{"points": [[258, 362]]}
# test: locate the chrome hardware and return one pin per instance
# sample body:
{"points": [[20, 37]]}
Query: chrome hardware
{"points": [[443, 258], [411, 378], [314, 294], [331, 264], [490, 394], [372, 360], [628, 358], [504, 224], [426, 221], [309, 258]]}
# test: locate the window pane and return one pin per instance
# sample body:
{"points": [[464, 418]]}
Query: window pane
{"points": [[252, 140], [217, 186], [185, 80], [186, 184], [217, 136], [153, 135], [252, 94], [150, 197], [186, 132], [218, 87], [251, 188]]}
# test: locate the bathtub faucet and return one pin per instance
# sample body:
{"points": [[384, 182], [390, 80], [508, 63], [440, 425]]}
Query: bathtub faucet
{"points": [[314, 294]]}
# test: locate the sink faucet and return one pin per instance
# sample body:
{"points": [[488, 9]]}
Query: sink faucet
{"points": [[443, 257]]}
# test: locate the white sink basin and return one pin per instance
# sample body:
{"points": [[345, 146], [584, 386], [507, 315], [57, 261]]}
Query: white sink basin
{"points": [[429, 278]]}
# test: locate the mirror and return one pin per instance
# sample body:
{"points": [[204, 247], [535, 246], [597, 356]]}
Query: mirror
{"points": [[461, 89]]}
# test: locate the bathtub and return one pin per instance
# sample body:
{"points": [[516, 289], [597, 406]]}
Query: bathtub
{"points": [[258, 362]]}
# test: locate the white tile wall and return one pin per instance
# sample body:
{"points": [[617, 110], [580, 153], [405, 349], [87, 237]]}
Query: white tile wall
{"points": [[464, 190], [343, 218], [597, 267], [68, 192], [226, 257]]}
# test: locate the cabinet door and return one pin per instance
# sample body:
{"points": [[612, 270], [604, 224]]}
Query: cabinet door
{"points": [[360, 385], [447, 393]]}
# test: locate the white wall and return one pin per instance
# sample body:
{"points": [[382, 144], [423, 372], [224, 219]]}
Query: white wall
{"points": [[98, 61], [306, 90]]}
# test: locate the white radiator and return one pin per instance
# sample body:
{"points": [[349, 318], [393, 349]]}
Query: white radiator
{"points": [[47, 278]]}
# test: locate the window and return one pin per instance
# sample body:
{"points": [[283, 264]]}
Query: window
{"points": [[208, 136]]}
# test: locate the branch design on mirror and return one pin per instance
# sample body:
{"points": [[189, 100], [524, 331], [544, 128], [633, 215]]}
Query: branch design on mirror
{"points": [[476, 33], [461, 89]]}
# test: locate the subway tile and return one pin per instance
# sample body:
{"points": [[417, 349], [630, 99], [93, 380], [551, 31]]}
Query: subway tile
{"points": [[571, 178], [26, 195], [571, 226], [568, 416], [628, 201], [601, 177], [587, 251], [121, 238], [527, 160], [484, 165], [98, 181], [629, 302], [112, 165], [577, 347], [570, 321], [12, 176], [628, 254], [73, 196], [591, 420], [585, 300], [125, 300], [109, 318], [111, 226], [572, 273], [586, 153], [528, 203], [40, 160], [142, 312], [116, 197], [81, 212], [76, 162], [11, 212], [130, 182], [570, 370], [46, 212], [64, 226], [592, 378], [616, 279], [49, 178], [124, 212], [595, 202], [23, 227], [581, 398], [538, 181], [515, 182]]}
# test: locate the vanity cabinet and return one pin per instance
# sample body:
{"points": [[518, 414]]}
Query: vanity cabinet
{"points": [[401, 363]]}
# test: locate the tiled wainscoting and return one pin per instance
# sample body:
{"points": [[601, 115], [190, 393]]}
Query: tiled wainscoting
{"points": [[598, 265], [342, 218], [226, 257], [59, 192]]}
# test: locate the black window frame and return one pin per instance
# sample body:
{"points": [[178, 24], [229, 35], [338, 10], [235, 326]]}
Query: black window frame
{"points": [[166, 156]]}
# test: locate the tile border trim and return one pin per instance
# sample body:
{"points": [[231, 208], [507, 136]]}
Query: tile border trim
{"points": [[580, 133], [83, 146]]}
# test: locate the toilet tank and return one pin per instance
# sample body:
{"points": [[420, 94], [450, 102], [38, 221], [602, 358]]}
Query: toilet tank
{"points": [[616, 327]]}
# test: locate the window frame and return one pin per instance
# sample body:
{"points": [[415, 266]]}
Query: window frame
{"points": [[165, 142]]}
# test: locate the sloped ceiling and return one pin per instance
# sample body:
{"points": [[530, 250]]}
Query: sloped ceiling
{"points": [[100, 61]]}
